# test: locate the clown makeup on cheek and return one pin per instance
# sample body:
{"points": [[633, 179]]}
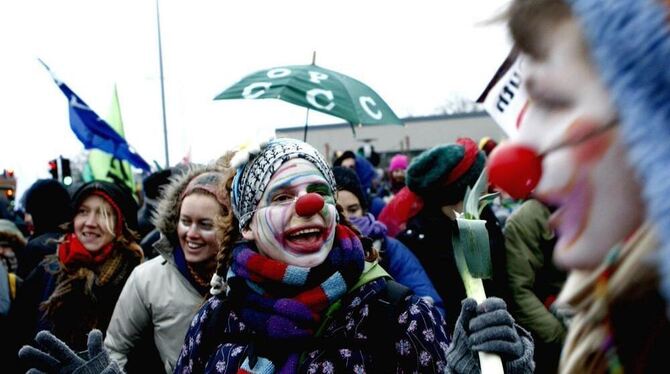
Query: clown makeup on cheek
{"points": [[569, 137]]}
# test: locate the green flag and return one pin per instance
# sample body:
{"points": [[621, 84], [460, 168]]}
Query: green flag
{"points": [[103, 166]]}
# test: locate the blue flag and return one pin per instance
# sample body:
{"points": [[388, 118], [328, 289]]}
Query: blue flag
{"points": [[94, 132]]}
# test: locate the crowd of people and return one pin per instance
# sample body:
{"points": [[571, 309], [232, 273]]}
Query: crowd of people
{"points": [[276, 259]]}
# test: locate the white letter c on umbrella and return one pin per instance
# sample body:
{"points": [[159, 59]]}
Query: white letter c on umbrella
{"points": [[311, 98], [248, 94], [366, 102]]}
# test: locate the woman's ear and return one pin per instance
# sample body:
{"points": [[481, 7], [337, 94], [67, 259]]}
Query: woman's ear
{"points": [[248, 234]]}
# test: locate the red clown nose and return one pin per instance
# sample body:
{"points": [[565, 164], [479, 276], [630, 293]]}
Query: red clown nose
{"points": [[309, 204], [516, 169]]}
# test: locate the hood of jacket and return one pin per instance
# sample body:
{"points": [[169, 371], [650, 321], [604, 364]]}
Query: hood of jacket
{"points": [[166, 216]]}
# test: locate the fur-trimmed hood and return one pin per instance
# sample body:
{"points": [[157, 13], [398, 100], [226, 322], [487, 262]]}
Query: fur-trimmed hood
{"points": [[167, 213], [11, 234]]}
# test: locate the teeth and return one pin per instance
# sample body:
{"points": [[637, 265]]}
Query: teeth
{"points": [[193, 245], [307, 231]]}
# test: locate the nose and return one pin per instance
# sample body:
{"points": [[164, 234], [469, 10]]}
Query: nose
{"points": [[515, 168], [309, 204], [192, 230], [91, 219]]}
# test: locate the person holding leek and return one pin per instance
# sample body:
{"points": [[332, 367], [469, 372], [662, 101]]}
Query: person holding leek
{"points": [[437, 180]]}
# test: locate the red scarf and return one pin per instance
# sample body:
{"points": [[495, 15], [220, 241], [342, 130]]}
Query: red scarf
{"points": [[71, 251]]}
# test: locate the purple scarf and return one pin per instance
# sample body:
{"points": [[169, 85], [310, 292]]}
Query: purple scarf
{"points": [[369, 226]]}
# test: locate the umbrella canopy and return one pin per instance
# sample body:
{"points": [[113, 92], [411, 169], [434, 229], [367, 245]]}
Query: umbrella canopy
{"points": [[316, 88]]}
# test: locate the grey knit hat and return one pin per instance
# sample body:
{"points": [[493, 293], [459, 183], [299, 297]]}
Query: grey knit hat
{"points": [[253, 175]]}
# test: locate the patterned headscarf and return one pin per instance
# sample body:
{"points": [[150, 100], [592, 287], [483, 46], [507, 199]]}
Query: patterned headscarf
{"points": [[254, 174]]}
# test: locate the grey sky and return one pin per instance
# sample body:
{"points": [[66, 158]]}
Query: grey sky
{"points": [[414, 54]]}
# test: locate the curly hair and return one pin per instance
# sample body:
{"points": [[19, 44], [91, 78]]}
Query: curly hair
{"points": [[227, 227]]}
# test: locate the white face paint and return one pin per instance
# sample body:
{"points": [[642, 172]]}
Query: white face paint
{"points": [[591, 183], [279, 232]]}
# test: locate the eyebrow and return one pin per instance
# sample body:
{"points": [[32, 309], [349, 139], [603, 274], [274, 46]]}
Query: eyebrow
{"points": [[286, 185]]}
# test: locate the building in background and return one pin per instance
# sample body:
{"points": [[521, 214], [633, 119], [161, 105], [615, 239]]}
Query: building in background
{"points": [[418, 134]]}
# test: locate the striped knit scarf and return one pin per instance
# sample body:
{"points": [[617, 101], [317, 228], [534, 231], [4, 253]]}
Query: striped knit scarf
{"points": [[283, 301]]}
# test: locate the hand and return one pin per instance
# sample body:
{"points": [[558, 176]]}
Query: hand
{"points": [[57, 357], [492, 329]]}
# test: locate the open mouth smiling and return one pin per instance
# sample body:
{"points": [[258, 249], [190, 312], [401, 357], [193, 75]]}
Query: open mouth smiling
{"points": [[306, 239]]}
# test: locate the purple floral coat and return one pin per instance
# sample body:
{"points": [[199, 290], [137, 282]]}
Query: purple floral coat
{"points": [[420, 340]]}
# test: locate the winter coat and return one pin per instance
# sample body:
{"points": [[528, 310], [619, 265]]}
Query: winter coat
{"points": [[157, 300], [36, 250], [418, 343], [618, 306], [72, 323], [406, 269], [156, 297], [534, 280], [428, 236]]}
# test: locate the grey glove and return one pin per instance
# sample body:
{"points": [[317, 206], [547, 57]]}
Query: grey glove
{"points": [[57, 357], [488, 327]]}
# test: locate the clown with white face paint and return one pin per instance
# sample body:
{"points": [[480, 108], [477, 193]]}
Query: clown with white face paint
{"points": [[596, 73], [282, 231], [569, 103], [294, 276]]}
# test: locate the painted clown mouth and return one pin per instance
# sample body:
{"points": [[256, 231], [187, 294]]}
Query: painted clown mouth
{"points": [[570, 219], [305, 239]]}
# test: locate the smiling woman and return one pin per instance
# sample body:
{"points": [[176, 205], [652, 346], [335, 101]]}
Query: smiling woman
{"points": [[76, 289], [175, 283]]}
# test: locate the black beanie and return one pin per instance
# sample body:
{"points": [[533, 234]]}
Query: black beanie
{"points": [[121, 196], [347, 180], [153, 183], [344, 156], [48, 202], [430, 175]]}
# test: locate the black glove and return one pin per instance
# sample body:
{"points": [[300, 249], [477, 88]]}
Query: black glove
{"points": [[57, 357], [488, 327]]}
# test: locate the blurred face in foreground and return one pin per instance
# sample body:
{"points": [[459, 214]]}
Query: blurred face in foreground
{"points": [[94, 223], [197, 227], [279, 231], [589, 180]]}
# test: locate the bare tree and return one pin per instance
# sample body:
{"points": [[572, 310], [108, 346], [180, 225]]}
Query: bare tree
{"points": [[456, 103]]}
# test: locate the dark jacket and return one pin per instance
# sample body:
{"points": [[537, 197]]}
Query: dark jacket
{"points": [[406, 269], [418, 343], [36, 250], [428, 236], [78, 314]]}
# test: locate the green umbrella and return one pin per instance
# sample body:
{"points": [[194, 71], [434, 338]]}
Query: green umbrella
{"points": [[316, 88]]}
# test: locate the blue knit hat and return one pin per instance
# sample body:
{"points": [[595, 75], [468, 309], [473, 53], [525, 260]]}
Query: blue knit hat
{"points": [[630, 43]]}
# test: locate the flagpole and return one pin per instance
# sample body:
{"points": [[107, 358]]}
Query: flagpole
{"points": [[160, 63], [304, 137]]}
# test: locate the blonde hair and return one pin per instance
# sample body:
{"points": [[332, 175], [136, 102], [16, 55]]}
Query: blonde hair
{"points": [[107, 218]]}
